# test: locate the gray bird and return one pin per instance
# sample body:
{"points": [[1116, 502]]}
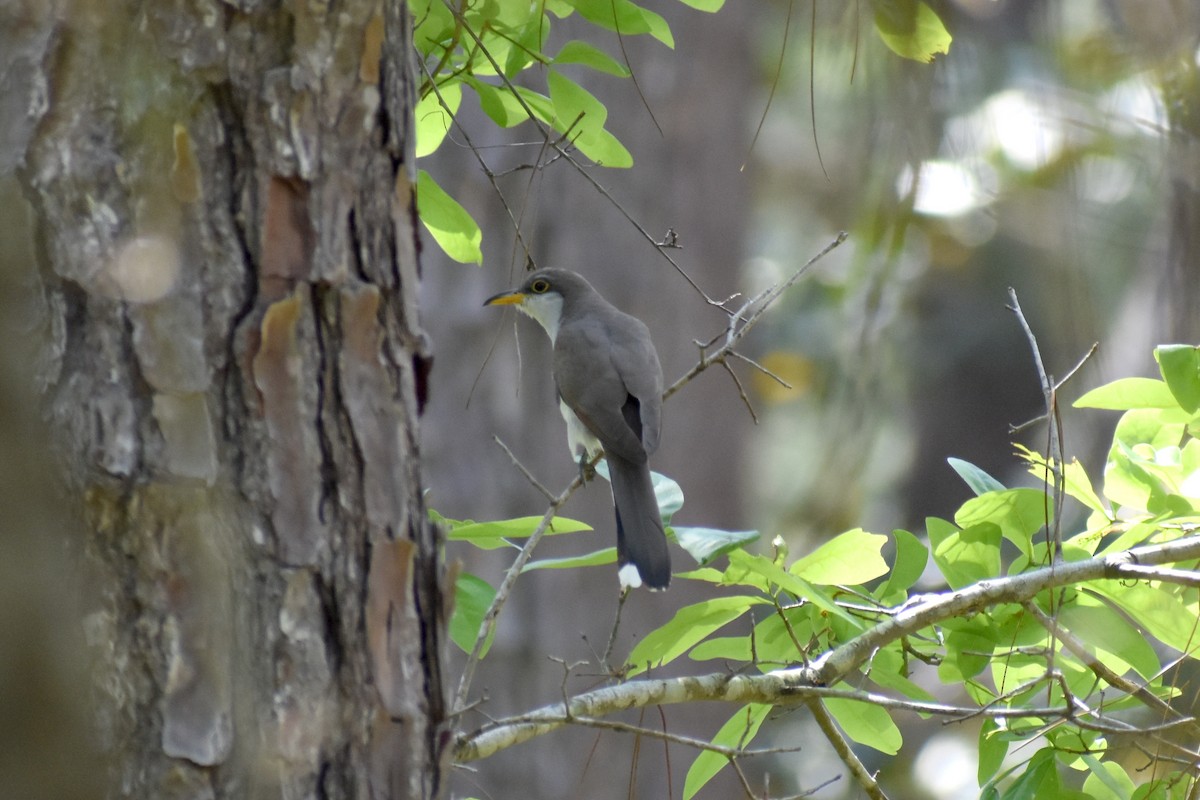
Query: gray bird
{"points": [[609, 387]]}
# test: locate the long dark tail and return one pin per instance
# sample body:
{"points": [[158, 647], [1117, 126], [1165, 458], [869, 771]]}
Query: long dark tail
{"points": [[641, 540]]}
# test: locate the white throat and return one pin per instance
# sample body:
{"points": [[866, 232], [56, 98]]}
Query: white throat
{"points": [[546, 309]]}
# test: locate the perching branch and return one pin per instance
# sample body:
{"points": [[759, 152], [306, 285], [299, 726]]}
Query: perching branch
{"points": [[800, 684]]}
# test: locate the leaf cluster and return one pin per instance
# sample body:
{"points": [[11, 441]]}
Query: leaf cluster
{"points": [[1067, 681]]}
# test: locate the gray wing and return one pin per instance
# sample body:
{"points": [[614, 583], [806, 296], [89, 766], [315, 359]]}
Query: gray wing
{"points": [[606, 370]]}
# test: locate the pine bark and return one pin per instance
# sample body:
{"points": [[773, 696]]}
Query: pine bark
{"points": [[223, 195]]}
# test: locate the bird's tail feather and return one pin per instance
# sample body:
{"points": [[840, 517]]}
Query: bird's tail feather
{"points": [[641, 540]]}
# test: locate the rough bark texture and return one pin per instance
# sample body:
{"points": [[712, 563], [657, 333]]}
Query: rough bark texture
{"points": [[224, 203]]}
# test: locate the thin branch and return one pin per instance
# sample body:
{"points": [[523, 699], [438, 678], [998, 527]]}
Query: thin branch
{"points": [[734, 332], [503, 590], [798, 684], [1055, 446], [858, 770], [525, 470]]}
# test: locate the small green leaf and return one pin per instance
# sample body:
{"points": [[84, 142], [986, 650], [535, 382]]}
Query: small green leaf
{"points": [[976, 478], [1019, 513], [866, 723], [449, 223], [1108, 780], [849, 558], [993, 747], [1180, 368], [1116, 643], [964, 556], [1127, 393], [793, 584], [667, 492], [711, 6], [433, 119], [738, 732], [688, 627], [706, 544], [608, 555], [1040, 778], [911, 558], [490, 535], [1158, 611], [580, 116], [580, 52], [625, 17], [911, 29], [472, 598]]}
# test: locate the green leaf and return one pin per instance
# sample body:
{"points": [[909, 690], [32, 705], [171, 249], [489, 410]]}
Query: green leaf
{"points": [[667, 492], [849, 558], [1040, 778], [1157, 610], [1108, 780], [911, 29], [433, 120], [979, 481], [689, 626], [625, 18], [911, 558], [490, 535], [608, 555], [1114, 641], [580, 52], [706, 544], [866, 723], [993, 747], [449, 223], [964, 556], [1180, 368], [711, 6], [739, 731], [580, 116], [1019, 513], [792, 584], [1127, 393], [472, 598], [888, 670], [969, 644], [505, 109]]}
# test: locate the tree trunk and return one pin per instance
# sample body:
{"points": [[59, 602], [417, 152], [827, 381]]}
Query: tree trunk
{"points": [[223, 195]]}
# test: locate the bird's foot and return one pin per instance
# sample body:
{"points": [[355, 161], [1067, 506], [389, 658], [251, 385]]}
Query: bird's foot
{"points": [[586, 470]]}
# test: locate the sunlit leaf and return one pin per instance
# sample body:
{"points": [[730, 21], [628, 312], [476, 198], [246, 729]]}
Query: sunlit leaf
{"points": [[607, 555], [866, 723], [433, 119], [849, 558], [1127, 393], [964, 556], [911, 29], [625, 17], [992, 750], [451, 226], [480, 533], [737, 732], [911, 558], [793, 584], [1018, 513], [580, 52], [580, 116], [689, 626], [1108, 780], [710, 6], [1180, 368]]}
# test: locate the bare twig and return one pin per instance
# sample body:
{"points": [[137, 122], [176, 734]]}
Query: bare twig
{"points": [[503, 590], [858, 770], [1055, 456], [524, 470]]}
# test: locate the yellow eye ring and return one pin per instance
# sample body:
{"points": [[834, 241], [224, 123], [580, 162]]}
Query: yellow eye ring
{"points": [[540, 286]]}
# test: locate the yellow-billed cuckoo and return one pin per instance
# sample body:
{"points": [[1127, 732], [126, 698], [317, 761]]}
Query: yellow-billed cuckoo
{"points": [[609, 387]]}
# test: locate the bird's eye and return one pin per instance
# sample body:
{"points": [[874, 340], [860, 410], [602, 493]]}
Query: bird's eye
{"points": [[539, 286]]}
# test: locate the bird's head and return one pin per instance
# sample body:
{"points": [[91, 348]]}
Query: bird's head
{"points": [[542, 295]]}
